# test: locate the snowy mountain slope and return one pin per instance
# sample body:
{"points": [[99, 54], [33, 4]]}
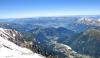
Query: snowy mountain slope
{"points": [[12, 35], [9, 49]]}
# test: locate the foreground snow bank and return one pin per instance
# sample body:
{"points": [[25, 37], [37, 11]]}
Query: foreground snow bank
{"points": [[25, 56]]}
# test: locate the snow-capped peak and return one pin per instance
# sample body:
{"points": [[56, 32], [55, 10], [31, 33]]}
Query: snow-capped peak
{"points": [[89, 21]]}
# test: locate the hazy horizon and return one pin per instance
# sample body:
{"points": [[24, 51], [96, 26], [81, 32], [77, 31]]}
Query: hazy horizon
{"points": [[42, 8]]}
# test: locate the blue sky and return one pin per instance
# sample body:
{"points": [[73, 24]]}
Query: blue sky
{"points": [[35, 8]]}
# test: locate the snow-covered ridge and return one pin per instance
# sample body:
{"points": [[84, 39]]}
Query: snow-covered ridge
{"points": [[89, 21], [9, 49]]}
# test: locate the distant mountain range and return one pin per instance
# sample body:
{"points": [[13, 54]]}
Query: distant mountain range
{"points": [[58, 37]]}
